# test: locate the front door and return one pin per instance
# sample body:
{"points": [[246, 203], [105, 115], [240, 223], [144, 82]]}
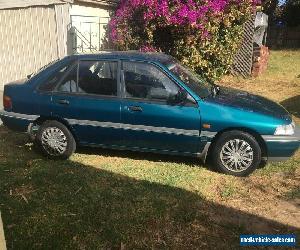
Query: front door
{"points": [[87, 98], [149, 120]]}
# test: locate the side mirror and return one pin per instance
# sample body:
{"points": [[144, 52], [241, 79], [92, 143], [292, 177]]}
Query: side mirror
{"points": [[180, 97]]}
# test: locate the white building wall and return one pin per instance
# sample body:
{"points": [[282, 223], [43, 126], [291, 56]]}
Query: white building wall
{"points": [[63, 22], [30, 38], [88, 11]]}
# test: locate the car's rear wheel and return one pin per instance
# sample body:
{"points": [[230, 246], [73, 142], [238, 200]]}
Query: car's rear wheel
{"points": [[55, 140], [236, 153]]}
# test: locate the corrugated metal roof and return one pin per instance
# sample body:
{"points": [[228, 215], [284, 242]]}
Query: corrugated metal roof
{"points": [[8, 4]]}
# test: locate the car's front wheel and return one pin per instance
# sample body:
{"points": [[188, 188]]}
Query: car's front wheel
{"points": [[236, 153], [55, 140]]}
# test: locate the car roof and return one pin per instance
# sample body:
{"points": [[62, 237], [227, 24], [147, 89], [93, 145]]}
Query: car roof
{"points": [[129, 55]]}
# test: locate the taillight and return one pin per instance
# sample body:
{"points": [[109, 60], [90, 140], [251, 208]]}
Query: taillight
{"points": [[7, 103]]}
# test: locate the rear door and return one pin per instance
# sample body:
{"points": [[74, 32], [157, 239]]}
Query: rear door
{"points": [[149, 120], [88, 99]]}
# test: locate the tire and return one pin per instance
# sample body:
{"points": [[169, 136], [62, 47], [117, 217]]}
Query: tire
{"points": [[55, 140], [241, 162]]}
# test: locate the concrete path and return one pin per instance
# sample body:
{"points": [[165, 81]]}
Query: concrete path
{"points": [[2, 238]]}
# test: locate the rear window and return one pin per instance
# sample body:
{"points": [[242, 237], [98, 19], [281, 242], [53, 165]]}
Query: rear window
{"points": [[42, 68]]}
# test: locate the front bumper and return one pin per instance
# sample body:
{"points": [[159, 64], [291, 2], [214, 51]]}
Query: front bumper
{"points": [[281, 148]]}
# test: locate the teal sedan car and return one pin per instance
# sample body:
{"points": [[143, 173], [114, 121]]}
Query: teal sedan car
{"points": [[147, 102]]}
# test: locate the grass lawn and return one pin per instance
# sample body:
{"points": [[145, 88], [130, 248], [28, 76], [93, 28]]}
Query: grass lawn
{"points": [[124, 200]]}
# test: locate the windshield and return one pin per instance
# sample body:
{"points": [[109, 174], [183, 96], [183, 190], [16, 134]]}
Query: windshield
{"points": [[191, 79]]}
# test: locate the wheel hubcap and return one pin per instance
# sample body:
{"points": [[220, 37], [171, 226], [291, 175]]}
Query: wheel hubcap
{"points": [[236, 155], [54, 141]]}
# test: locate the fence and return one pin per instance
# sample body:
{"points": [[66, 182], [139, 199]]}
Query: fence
{"points": [[283, 37], [242, 64]]}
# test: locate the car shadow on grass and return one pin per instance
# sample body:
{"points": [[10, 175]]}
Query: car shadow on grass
{"points": [[149, 156], [49, 204], [156, 157], [292, 105]]}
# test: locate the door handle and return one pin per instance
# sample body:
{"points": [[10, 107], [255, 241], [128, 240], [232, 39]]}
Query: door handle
{"points": [[135, 108], [63, 102]]}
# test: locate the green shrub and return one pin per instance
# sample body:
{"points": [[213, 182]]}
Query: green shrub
{"points": [[202, 34]]}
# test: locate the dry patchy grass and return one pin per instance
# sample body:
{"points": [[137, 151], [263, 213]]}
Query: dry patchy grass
{"points": [[280, 83]]}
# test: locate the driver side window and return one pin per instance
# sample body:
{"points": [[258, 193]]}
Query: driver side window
{"points": [[143, 80]]}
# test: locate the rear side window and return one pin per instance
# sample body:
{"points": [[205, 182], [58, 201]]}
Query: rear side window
{"points": [[91, 77], [69, 82], [51, 82], [98, 77]]}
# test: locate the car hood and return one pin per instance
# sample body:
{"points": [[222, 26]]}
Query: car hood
{"points": [[249, 102]]}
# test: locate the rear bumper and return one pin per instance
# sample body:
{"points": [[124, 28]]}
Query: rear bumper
{"points": [[281, 148], [16, 121]]}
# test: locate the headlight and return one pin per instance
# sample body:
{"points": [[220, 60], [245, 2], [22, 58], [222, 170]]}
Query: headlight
{"points": [[285, 129]]}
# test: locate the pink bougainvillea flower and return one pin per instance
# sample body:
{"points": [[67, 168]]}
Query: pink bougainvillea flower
{"points": [[180, 27], [190, 13], [147, 48]]}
